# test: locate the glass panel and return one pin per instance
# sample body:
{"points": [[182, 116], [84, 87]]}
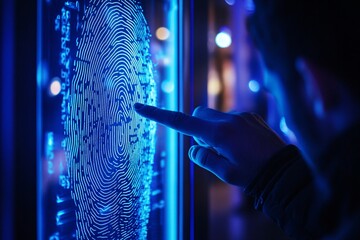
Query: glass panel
{"points": [[104, 171], [235, 83]]}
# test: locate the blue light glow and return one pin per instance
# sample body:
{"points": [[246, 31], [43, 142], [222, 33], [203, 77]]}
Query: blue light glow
{"points": [[223, 39], [39, 122], [110, 148], [250, 6], [7, 121], [180, 172], [254, 86], [100, 178], [171, 189], [167, 86], [288, 133], [49, 151]]}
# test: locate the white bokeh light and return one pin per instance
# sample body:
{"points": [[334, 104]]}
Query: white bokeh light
{"points": [[223, 39], [55, 87]]}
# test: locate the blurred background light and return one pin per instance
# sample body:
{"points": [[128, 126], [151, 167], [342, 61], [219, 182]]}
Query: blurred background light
{"points": [[223, 39], [214, 86], [254, 86], [55, 87], [167, 86], [165, 61], [288, 133], [162, 33], [249, 5]]}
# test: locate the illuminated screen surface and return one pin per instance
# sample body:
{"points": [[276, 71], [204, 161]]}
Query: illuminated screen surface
{"points": [[103, 167]]}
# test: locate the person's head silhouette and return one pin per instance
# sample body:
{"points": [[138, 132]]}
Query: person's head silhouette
{"points": [[310, 49]]}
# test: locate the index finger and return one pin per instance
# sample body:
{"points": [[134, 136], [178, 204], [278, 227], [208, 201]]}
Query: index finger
{"points": [[181, 122]]}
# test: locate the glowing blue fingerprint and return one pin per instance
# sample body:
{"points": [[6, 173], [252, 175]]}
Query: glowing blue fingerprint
{"points": [[109, 148]]}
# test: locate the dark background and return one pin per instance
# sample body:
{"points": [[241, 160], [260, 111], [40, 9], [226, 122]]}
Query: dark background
{"points": [[18, 115]]}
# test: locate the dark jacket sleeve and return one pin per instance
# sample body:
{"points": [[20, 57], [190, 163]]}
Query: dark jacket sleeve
{"points": [[287, 192]]}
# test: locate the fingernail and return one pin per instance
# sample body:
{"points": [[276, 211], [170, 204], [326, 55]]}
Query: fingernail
{"points": [[138, 106], [192, 152]]}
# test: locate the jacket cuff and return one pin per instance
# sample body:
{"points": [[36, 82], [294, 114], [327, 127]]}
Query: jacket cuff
{"points": [[264, 182]]}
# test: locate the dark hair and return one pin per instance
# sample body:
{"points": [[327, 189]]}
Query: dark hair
{"points": [[324, 31]]}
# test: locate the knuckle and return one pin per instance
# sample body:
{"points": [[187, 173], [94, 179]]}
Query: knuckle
{"points": [[203, 157], [200, 156], [225, 128], [215, 134], [221, 131]]}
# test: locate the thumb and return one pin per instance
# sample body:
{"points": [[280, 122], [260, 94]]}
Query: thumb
{"points": [[210, 160]]}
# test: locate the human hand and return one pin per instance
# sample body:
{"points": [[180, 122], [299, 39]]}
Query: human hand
{"points": [[233, 146]]}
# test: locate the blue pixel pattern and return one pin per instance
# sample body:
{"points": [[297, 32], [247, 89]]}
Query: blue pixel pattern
{"points": [[109, 148]]}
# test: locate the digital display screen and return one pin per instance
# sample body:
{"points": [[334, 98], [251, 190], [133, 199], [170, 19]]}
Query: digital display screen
{"points": [[104, 168]]}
